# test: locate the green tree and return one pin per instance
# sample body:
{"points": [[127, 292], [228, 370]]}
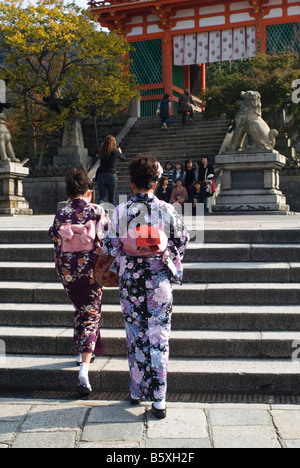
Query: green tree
{"points": [[271, 75], [58, 60]]}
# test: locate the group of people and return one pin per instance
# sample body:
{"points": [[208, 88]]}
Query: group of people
{"points": [[145, 271], [187, 185], [177, 185]]}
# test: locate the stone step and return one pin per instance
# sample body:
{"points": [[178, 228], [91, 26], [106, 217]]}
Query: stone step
{"points": [[174, 137], [197, 117], [195, 253], [177, 143], [26, 253], [194, 344], [154, 133], [185, 375], [202, 317], [193, 272], [166, 147], [241, 272], [274, 238], [167, 154], [21, 237], [176, 123], [203, 141], [167, 140], [188, 294], [241, 253], [172, 144]]}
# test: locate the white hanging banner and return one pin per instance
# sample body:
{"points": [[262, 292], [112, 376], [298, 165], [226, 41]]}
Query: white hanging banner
{"points": [[250, 41], [215, 46], [227, 41], [190, 45], [202, 48], [178, 42]]}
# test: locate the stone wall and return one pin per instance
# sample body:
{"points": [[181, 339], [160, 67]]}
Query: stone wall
{"points": [[43, 193], [290, 186]]}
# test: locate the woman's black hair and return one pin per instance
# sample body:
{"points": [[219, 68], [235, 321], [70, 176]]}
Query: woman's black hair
{"points": [[78, 183], [143, 171]]}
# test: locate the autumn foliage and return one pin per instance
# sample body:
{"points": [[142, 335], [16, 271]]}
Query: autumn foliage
{"points": [[59, 64]]}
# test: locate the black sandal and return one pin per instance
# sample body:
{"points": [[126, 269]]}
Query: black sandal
{"points": [[84, 391], [159, 413]]}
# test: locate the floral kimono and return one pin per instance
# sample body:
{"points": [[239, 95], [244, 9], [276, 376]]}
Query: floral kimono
{"points": [[146, 292], [75, 269]]}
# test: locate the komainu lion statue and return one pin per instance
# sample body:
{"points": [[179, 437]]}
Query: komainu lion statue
{"points": [[6, 150], [249, 121]]}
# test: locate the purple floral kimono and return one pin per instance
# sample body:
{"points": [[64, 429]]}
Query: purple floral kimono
{"points": [[75, 270], [146, 292]]}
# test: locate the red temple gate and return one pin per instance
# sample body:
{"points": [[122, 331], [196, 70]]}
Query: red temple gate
{"points": [[173, 40]]}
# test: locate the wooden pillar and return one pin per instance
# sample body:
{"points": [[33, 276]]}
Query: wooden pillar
{"points": [[167, 59], [203, 81], [260, 35], [203, 77], [187, 77], [259, 26]]}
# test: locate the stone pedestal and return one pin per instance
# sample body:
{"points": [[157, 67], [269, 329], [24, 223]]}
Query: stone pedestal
{"points": [[72, 153], [12, 201], [250, 183]]}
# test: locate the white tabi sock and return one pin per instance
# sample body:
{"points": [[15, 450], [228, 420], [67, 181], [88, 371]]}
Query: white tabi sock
{"points": [[160, 405], [84, 375], [79, 358]]}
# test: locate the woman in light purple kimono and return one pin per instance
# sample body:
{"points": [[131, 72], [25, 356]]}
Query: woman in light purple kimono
{"points": [[145, 282], [77, 232]]}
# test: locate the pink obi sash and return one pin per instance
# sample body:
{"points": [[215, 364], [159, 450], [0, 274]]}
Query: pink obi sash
{"points": [[145, 241], [78, 237]]}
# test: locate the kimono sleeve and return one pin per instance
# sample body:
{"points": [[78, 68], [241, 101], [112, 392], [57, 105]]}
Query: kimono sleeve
{"points": [[103, 223], [112, 243], [179, 234], [54, 236], [53, 231]]}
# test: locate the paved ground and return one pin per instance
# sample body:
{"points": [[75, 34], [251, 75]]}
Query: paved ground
{"points": [[115, 424], [211, 222]]}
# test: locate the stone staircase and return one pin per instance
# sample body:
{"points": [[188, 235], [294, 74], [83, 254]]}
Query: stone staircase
{"points": [[175, 144], [234, 324]]}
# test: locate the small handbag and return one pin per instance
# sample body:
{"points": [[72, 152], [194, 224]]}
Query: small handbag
{"points": [[102, 273]]}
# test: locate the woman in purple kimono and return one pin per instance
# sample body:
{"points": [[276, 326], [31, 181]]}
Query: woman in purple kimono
{"points": [[148, 239], [77, 232]]}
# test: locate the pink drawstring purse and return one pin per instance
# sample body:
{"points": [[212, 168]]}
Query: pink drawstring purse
{"points": [[78, 237]]}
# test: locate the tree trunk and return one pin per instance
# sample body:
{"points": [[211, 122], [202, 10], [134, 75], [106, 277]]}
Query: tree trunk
{"points": [[43, 149], [28, 129]]}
